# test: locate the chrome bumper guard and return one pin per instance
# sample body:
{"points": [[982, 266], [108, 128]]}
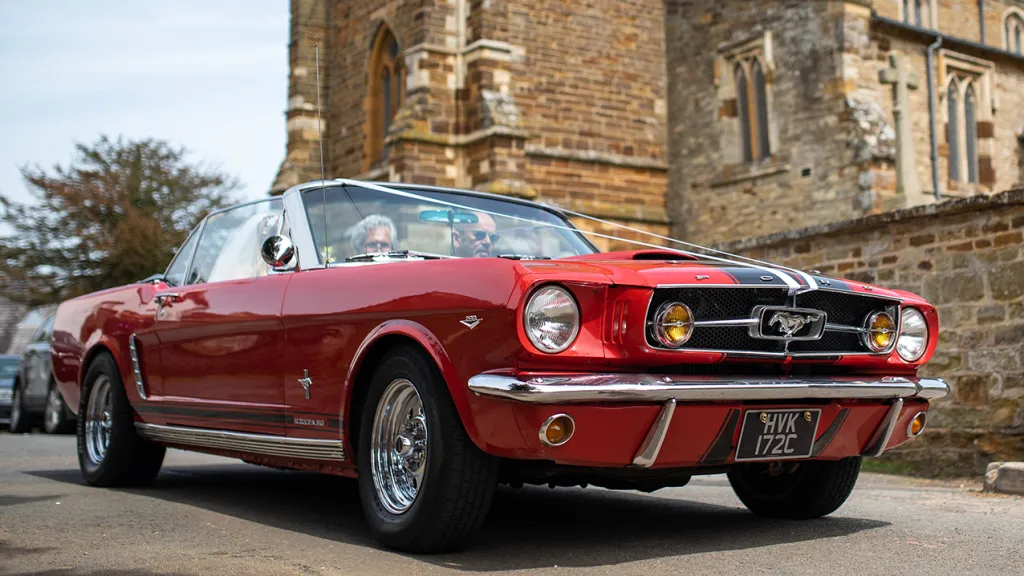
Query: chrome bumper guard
{"points": [[660, 388]]}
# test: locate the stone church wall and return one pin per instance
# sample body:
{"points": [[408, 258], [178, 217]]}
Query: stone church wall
{"points": [[965, 257], [553, 101]]}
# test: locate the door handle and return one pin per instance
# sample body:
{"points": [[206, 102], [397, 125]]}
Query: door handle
{"points": [[166, 297]]}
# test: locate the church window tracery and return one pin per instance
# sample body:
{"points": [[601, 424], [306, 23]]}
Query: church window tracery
{"points": [[385, 94]]}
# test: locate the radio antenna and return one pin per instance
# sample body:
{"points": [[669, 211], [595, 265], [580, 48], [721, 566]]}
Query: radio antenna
{"points": [[320, 139]]}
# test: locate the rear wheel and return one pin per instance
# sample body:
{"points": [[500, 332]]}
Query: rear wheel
{"points": [[110, 452], [19, 422], [796, 490], [424, 486], [57, 418]]}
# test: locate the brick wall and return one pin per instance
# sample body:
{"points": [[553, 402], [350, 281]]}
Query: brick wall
{"points": [[965, 257], [557, 101]]}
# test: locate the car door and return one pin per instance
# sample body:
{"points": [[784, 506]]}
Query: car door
{"points": [[220, 333], [36, 367]]}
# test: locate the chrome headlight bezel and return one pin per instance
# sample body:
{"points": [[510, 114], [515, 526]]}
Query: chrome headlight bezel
{"points": [[658, 325], [541, 341], [869, 342], [908, 334]]}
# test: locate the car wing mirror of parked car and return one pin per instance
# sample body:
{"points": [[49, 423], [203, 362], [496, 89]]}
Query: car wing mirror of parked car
{"points": [[278, 252], [448, 217]]}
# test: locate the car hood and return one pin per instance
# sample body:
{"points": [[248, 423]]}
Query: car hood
{"points": [[651, 268]]}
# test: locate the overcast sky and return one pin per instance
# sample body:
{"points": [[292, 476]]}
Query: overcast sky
{"points": [[208, 75]]}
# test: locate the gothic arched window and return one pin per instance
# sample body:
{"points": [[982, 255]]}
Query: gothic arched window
{"points": [[760, 110], [386, 91], [743, 109], [917, 13], [906, 11], [953, 130], [1013, 31], [971, 134]]}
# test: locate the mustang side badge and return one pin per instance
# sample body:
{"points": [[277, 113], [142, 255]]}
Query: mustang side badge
{"points": [[471, 321], [306, 382]]}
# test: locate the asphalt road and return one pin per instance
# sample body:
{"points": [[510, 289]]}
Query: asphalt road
{"points": [[208, 515]]}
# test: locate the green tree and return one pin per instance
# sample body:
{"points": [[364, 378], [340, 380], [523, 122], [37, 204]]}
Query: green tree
{"points": [[113, 216]]}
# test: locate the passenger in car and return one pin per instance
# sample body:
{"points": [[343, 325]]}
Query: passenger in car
{"points": [[375, 233], [476, 240]]}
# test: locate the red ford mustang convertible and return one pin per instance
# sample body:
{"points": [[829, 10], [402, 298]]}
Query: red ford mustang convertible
{"points": [[438, 342]]}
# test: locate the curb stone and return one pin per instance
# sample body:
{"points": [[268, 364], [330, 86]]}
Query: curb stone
{"points": [[1005, 478]]}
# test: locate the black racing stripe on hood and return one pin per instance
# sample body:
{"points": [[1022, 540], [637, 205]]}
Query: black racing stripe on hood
{"points": [[832, 283], [746, 275]]}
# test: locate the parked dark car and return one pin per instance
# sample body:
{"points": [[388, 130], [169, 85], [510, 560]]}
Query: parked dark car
{"points": [[35, 395], [8, 370]]}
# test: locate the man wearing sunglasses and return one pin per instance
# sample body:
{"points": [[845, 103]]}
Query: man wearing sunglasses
{"points": [[476, 240], [373, 234]]}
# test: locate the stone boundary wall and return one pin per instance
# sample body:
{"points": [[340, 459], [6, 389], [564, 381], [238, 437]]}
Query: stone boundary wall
{"points": [[965, 257]]}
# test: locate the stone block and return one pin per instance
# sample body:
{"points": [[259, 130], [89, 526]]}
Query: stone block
{"points": [[972, 390], [990, 314], [1005, 478], [1007, 282], [994, 360], [1008, 335]]}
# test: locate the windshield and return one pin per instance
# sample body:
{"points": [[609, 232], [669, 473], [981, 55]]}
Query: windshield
{"points": [[363, 221], [8, 367]]}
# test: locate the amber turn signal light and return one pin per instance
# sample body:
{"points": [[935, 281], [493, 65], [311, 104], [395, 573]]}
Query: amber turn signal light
{"points": [[881, 331], [917, 423], [557, 430]]}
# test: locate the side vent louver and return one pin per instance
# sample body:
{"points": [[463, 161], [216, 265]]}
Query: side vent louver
{"points": [[133, 349]]}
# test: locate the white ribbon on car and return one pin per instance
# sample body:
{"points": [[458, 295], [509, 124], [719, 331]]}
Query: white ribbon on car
{"points": [[793, 286]]}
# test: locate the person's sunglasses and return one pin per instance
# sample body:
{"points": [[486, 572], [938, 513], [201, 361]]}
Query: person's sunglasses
{"points": [[480, 235], [377, 247]]}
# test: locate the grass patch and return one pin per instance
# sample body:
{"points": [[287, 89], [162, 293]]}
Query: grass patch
{"points": [[895, 467]]}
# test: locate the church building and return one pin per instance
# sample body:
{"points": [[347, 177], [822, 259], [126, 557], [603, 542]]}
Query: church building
{"points": [[710, 120], [562, 102], [786, 114]]}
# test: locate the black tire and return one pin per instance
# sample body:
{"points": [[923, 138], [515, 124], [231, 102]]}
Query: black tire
{"points": [[797, 491], [458, 478], [20, 421], [57, 419], [130, 460]]}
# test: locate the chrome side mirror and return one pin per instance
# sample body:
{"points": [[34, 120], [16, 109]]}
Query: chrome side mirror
{"points": [[278, 252]]}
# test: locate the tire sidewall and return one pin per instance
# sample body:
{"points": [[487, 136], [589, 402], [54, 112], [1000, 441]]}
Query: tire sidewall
{"points": [[18, 425], [103, 365], [394, 528], [59, 409]]}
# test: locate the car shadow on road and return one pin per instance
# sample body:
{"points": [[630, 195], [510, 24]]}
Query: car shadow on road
{"points": [[526, 528]]}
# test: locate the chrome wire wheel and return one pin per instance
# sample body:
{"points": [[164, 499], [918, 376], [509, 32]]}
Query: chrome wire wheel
{"points": [[98, 420], [398, 446]]}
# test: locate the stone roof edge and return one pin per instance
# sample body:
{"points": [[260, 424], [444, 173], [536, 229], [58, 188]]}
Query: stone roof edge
{"points": [[949, 207]]}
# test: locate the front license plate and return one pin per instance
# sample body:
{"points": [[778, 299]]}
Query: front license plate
{"points": [[777, 434]]}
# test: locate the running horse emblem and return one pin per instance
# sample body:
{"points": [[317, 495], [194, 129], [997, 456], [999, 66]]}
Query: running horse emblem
{"points": [[790, 324]]}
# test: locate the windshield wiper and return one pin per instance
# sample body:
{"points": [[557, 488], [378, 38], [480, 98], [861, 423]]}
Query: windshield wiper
{"points": [[523, 257], [394, 255]]}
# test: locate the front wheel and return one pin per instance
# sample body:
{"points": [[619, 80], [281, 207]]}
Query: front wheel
{"points": [[424, 486], [56, 417], [110, 452], [795, 490]]}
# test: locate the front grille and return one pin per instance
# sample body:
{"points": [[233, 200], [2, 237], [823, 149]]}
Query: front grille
{"points": [[842, 308]]}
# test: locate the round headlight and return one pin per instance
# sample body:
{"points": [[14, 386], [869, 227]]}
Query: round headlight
{"points": [[552, 319], [913, 335], [881, 331], [673, 324]]}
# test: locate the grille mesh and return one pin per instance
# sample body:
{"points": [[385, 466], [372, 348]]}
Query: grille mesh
{"points": [[737, 303]]}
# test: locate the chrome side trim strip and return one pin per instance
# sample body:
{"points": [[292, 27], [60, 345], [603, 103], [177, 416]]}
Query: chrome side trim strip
{"points": [[881, 437], [735, 322], [270, 445], [651, 446], [140, 384], [662, 388]]}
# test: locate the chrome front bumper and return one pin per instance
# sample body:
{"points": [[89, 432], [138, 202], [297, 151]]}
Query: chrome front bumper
{"points": [[662, 388]]}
